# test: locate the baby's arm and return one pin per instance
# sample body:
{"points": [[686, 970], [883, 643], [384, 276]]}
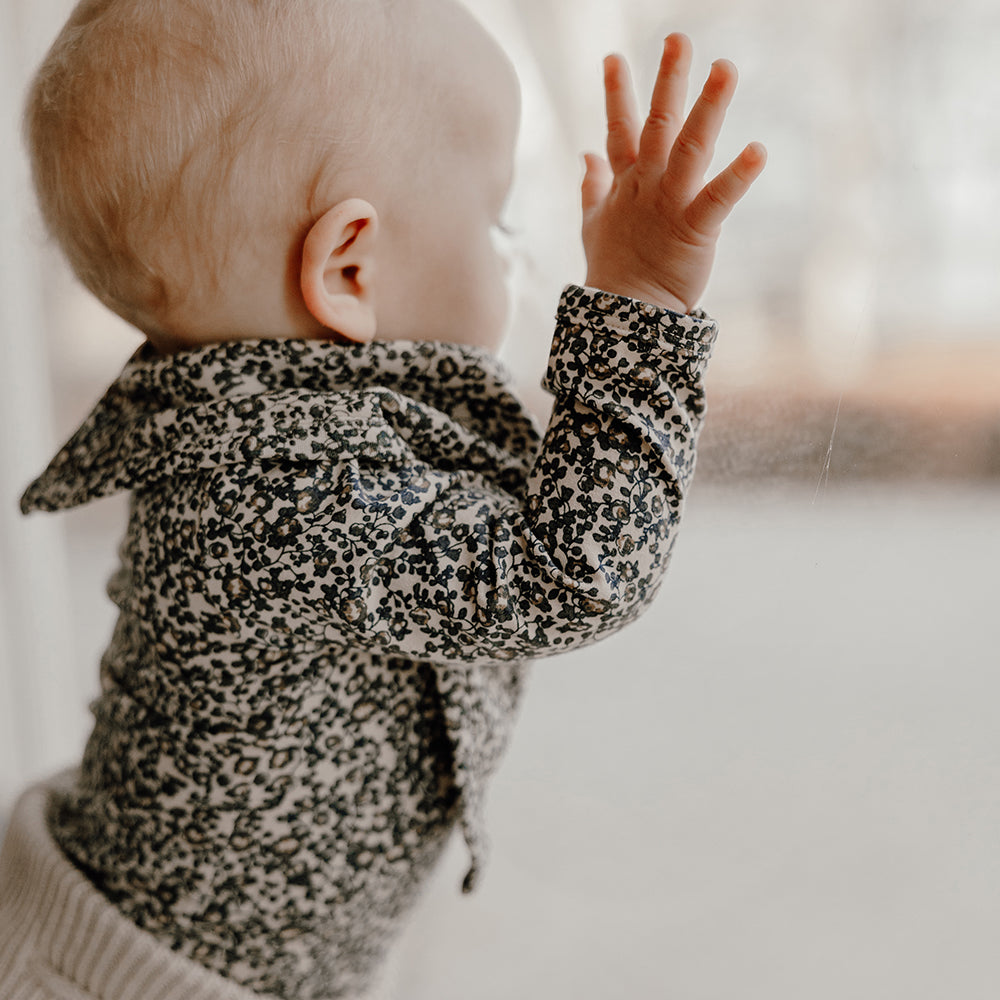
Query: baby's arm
{"points": [[418, 537], [649, 225], [449, 560]]}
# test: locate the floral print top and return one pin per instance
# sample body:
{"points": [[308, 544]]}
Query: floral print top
{"points": [[337, 560]]}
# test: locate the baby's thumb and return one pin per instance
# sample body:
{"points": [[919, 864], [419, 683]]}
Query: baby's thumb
{"points": [[597, 180]]}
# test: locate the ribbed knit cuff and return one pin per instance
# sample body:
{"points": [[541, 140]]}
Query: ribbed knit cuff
{"points": [[60, 939]]}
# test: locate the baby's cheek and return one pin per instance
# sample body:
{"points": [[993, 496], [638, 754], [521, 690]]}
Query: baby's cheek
{"points": [[482, 288], [499, 298]]}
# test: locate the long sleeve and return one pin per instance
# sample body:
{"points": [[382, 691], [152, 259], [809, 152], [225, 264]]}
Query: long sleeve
{"points": [[441, 561]]}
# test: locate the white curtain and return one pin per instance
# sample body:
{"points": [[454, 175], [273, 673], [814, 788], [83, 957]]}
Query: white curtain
{"points": [[39, 702]]}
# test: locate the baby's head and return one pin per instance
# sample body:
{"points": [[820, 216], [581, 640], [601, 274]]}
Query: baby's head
{"points": [[279, 168]]}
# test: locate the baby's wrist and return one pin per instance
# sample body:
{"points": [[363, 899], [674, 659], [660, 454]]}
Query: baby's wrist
{"points": [[636, 290]]}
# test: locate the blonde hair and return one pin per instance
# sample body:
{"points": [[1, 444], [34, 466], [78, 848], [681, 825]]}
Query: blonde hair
{"points": [[162, 133]]}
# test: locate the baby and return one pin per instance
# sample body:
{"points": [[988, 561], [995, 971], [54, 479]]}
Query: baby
{"points": [[345, 535]]}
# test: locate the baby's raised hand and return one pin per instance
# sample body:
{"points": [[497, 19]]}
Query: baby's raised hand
{"points": [[649, 224]]}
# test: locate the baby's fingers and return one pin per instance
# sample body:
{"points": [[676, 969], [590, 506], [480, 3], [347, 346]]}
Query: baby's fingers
{"points": [[622, 114], [666, 109], [716, 200], [596, 182], [692, 152]]}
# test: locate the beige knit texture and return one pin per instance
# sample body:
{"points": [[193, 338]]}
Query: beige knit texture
{"points": [[60, 939]]}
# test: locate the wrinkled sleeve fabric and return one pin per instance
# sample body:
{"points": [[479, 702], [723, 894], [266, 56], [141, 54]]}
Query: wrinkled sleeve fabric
{"points": [[450, 565]]}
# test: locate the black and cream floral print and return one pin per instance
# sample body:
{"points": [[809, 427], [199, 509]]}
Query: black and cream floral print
{"points": [[337, 560]]}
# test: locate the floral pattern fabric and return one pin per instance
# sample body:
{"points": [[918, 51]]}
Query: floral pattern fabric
{"points": [[337, 560]]}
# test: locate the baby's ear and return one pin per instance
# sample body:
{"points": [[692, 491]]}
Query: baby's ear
{"points": [[338, 269]]}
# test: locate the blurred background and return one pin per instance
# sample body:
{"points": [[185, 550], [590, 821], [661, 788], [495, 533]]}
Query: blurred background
{"points": [[782, 782]]}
